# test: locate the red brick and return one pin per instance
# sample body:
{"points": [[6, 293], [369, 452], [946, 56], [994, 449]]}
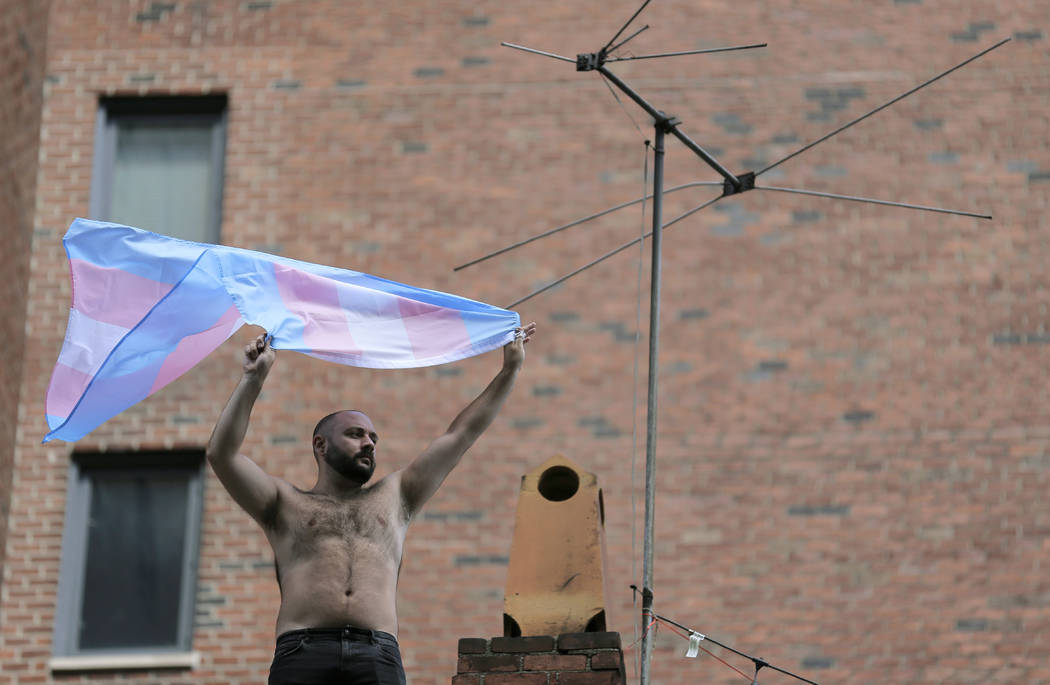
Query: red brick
{"points": [[568, 641], [473, 645], [590, 678], [606, 660], [555, 662], [517, 679], [487, 663], [538, 643], [23, 42], [466, 679]]}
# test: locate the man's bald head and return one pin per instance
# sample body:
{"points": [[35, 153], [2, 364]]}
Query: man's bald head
{"points": [[324, 425]]}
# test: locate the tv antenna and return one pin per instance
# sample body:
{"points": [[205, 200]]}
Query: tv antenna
{"points": [[732, 184]]}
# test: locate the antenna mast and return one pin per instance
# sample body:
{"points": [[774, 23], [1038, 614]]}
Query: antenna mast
{"points": [[731, 184]]}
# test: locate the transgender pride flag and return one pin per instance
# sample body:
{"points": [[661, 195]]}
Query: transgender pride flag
{"points": [[147, 308]]}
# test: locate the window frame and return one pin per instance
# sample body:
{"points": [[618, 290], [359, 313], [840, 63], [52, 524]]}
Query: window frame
{"points": [[162, 109], [65, 649]]}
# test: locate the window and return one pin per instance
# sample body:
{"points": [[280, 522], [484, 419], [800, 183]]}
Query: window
{"points": [[129, 554], [159, 164]]}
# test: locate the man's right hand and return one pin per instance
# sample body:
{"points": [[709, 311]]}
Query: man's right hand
{"points": [[258, 357]]}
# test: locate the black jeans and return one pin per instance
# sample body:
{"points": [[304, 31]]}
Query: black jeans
{"points": [[318, 656]]}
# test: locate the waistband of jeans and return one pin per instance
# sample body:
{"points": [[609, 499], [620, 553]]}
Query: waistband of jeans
{"points": [[338, 632]]}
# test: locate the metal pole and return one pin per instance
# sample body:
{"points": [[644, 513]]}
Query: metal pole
{"points": [[650, 423], [538, 52], [881, 107], [686, 52], [659, 116]]}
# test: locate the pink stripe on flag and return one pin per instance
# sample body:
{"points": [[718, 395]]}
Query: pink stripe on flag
{"points": [[111, 295], [433, 331], [67, 385], [315, 300], [193, 348]]}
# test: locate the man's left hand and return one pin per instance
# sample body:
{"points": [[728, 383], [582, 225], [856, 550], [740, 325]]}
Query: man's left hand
{"points": [[514, 351]]}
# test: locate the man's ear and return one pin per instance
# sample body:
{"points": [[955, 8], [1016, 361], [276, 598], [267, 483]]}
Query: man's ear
{"points": [[319, 444]]}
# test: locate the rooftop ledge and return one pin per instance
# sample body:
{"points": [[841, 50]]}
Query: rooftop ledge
{"points": [[119, 662]]}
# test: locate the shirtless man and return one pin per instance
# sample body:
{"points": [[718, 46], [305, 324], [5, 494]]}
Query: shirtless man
{"points": [[338, 545]]}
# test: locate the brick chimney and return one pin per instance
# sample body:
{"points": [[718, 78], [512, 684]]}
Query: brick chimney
{"points": [[568, 659]]}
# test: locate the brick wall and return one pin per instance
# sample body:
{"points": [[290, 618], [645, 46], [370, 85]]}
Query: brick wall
{"points": [[568, 659], [853, 426], [23, 29]]}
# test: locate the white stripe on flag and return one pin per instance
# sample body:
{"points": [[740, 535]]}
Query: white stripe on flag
{"points": [[88, 342], [375, 323]]}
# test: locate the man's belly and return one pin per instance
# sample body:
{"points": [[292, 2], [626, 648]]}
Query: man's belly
{"points": [[336, 589]]}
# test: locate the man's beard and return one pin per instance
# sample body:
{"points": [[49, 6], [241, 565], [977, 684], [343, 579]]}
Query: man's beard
{"points": [[350, 466]]}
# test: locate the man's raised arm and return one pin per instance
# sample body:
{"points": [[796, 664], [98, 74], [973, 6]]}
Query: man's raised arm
{"points": [[421, 479], [248, 484]]}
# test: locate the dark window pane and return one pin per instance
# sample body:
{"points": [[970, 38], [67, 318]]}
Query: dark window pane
{"points": [[133, 574]]}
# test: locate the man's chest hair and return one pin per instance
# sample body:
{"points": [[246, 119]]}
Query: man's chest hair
{"points": [[368, 515]]}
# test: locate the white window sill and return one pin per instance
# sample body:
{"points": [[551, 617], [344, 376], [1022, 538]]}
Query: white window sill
{"points": [[121, 662]]}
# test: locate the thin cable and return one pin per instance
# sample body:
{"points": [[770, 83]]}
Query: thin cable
{"points": [[634, 396], [881, 107], [674, 630], [569, 275], [577, 222], [607, 255], [759, 663], [653, 625], [692, 211], [872, 201], [620, 102]]}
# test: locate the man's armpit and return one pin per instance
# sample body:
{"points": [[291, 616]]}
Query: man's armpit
{"points": [[269, 518]]}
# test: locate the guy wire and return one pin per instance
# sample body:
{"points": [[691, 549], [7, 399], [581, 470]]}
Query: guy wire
{"points": [[634, 394], [625, 111]]}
